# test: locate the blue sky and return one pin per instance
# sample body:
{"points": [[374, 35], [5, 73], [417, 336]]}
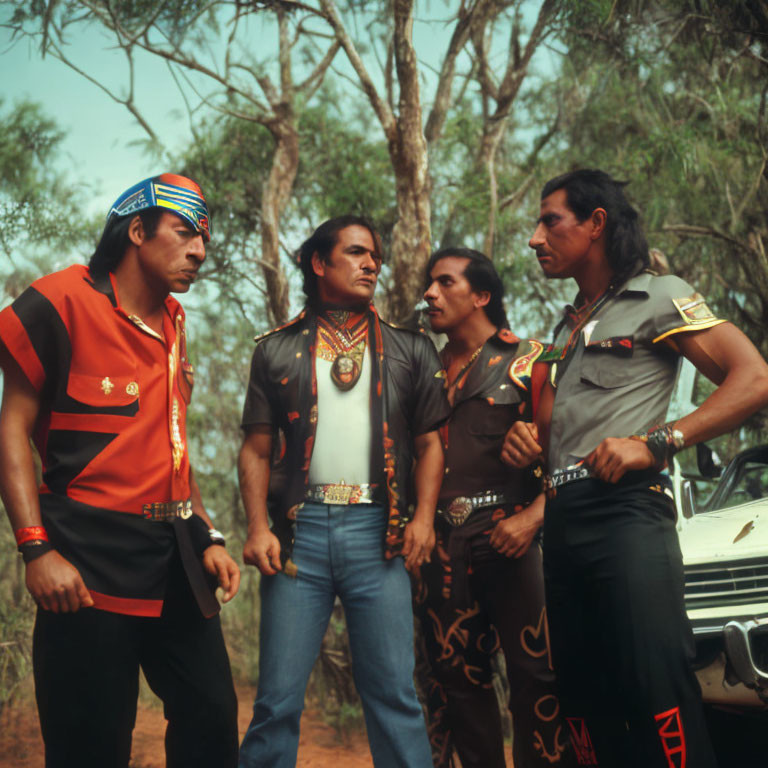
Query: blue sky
{"points": [[101, 142], [103, 145]]}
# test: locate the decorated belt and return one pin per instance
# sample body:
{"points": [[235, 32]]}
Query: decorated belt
{"points": [[164, 511], [567, 475], [457, 512], [341, 493]]}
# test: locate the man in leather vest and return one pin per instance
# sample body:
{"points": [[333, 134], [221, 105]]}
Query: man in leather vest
{"points": [[341, 451]]}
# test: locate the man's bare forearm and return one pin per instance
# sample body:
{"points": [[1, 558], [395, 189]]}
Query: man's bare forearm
{"points": [[427, 474], [254, 471], [18, 479]]}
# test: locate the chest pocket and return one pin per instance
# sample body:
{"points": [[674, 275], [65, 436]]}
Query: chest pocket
{"points": [[489, 421], [107, 391], [607, 368]]}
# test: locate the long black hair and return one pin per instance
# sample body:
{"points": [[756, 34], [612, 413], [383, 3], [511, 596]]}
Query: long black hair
{"points": [[481, 275], [321, 242], [586, 190], [115, 240]]}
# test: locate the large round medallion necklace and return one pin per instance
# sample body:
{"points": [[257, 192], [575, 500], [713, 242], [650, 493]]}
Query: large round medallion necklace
{"points": [[341, 339]]}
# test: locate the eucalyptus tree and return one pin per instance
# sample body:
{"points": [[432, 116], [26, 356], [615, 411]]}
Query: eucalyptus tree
{"points": [[227, 57], [41, 216], [395, 95], [264, 61]]}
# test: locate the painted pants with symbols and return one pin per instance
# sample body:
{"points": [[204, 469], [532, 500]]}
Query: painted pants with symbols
{"points": [[472, 602]]}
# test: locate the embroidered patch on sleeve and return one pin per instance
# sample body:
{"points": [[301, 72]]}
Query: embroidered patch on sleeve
{"points": [[521, 367], [694, 309]]}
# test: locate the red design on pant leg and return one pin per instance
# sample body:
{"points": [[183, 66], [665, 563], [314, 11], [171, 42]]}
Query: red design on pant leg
{"points": [[672, 737], [582, 741]]}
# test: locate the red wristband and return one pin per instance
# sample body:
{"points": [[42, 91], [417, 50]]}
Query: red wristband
{"points": [[32, 533]]}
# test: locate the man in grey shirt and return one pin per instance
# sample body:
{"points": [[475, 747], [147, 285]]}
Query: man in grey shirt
{"points": [[621, 642]]}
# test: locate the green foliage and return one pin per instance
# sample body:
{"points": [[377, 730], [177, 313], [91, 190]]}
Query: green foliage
{"points": [[39, 211], [342, 168], [16, 618]]}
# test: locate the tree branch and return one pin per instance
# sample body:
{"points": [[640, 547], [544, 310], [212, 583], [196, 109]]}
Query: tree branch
{"points": [[382, 110], [127, 103], [312, 83], [691, 230], [478, 15], [261, 119]]}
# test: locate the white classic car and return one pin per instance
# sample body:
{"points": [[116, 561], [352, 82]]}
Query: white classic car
{"points": [[724, 541]]}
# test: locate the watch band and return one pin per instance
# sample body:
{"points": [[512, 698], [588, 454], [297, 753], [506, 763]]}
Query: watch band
{"points": [[663, 442]]}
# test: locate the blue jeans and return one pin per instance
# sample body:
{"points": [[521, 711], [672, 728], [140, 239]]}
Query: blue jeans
{"points": [[339, 550]]}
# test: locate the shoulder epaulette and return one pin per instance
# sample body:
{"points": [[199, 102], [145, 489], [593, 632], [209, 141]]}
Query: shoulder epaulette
{"points": [[397, 327], [291, 322], [505, 335]]}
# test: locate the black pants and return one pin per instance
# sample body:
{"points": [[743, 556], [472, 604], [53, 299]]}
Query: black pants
{"points": [[86, 668], [504, 608], [621, 641]]}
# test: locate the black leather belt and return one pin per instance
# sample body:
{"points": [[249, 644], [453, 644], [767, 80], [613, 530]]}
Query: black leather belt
{"points": [[457, 512]]}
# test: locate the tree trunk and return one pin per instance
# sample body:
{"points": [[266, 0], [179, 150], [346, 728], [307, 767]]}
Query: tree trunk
{"points": [[275, 198], [411, 236]]}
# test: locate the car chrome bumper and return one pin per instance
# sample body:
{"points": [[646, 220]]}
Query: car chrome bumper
{"points": [[737, 636]]}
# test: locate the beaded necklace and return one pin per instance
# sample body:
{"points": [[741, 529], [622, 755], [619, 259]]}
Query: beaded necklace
{"points": [[457, 382], [341, 340]]}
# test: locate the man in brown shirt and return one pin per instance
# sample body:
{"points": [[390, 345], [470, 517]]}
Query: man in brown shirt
{"points": [[483, 589]]}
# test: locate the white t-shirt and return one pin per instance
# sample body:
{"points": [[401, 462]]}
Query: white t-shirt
{"points": [[342, 450]]}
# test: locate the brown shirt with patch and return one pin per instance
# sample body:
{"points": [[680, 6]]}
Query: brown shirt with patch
{"points": [[496, 391]]}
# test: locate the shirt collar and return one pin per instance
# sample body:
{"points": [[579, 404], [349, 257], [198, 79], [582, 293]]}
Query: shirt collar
{"points": [[638, 285], [107, 286]]}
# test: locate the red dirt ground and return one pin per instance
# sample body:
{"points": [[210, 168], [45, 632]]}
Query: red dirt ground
{"points": [[319, 747], [21, 745]]}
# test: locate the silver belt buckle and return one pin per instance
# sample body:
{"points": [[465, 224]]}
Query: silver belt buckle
{"points": [[459, 510], [338, 494]]}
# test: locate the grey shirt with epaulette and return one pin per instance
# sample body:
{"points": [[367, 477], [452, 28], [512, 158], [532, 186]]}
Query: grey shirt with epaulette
{"points": [[618, 380]]}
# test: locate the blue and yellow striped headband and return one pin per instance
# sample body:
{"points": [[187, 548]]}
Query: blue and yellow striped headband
{"points": [[168, 190]]}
